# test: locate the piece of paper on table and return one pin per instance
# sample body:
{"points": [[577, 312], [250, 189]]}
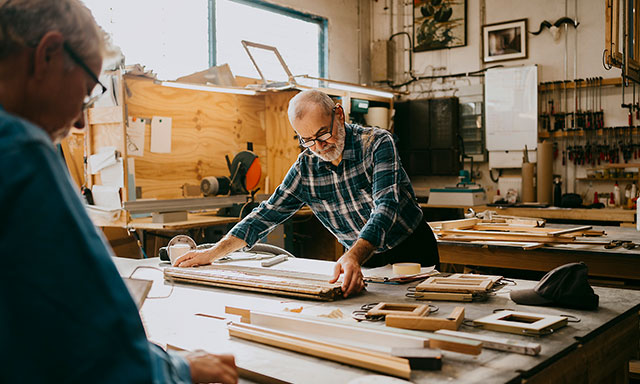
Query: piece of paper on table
{"points": [[135, 136], [113, 175], [161, 134], [106, 196], [105, 157]]}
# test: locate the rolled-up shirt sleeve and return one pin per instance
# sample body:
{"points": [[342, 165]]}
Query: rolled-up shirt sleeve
{"points": [[385, 191], [282, 204]]}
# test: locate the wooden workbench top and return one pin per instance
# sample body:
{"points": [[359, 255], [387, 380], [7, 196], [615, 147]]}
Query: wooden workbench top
{"points": [[173, 321]]}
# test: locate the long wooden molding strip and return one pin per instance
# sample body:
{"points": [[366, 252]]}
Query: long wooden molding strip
{"points": [[497, 237], [361, 335], [371, 360], [378, 340], [497, 343]]}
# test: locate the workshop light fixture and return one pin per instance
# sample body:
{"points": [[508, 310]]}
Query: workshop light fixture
{"points": [[208, 88], [363, 90]]}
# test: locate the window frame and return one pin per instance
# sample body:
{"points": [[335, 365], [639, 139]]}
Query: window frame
{"points": [[323, 55]]}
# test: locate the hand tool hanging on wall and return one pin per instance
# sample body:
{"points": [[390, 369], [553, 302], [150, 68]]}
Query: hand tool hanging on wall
{"points": [[544, 98], [557, 112], [580, 123]]}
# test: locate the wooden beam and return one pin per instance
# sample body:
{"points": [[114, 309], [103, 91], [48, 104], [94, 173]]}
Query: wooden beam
{"points": [[458, 224], [444, 296]]}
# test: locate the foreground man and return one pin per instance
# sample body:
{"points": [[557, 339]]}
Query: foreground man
{"points": [[65, 313], [352, 179]]}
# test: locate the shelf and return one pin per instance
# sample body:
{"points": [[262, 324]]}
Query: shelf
{"points": [[609, 179]]}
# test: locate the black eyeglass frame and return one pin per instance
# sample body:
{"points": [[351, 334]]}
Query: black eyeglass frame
{"points": [[89, 101], [324, 137]]}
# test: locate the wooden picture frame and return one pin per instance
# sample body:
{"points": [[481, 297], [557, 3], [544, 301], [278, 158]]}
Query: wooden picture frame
{"points": [[504, 41], [521, 323], [439, 24]]}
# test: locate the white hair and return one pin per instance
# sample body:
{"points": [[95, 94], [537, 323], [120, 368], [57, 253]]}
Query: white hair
{"points": [[23, 23], [299, 104]]}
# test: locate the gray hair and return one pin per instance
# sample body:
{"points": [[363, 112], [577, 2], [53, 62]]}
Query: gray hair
{"points": [[23, 23], [299, 104]]}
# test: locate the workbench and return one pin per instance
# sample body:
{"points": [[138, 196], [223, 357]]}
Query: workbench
{"points": [[596, 349], [611, 215], [619, 263]]}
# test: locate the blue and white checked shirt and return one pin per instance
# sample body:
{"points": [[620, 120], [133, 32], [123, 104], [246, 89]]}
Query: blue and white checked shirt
{"points": [[367, 195]]}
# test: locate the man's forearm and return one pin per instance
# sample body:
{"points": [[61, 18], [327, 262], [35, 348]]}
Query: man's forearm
{"points": [[362, 250], [228, 244]]}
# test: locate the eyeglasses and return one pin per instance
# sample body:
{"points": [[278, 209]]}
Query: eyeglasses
{"points": [[88, 100], [324, 137]]}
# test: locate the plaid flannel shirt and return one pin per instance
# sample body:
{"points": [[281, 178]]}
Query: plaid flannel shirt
{"points": [[367, 195]]}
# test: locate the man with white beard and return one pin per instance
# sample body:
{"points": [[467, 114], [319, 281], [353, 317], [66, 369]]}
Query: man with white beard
{"points": [[352, 179]]}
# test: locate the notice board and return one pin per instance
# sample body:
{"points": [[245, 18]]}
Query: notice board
{"points": [[511, 106]]}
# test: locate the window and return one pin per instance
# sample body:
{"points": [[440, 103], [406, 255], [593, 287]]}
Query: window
{"points": [[300, 38], [177, 38], [170, 37]]}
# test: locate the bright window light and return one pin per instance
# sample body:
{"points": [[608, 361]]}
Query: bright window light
{"points": [[170, 37], [297, 40]]}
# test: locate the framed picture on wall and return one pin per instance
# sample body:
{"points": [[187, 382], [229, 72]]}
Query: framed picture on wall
{"points": [[504, 41], [439, 24]]}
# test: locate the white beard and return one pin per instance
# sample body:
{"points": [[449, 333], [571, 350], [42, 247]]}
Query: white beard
{"points": [[334, 151]]}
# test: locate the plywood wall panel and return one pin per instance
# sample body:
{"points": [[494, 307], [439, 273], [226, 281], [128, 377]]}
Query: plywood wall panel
{"points": [[282, 146], [206, 126]]}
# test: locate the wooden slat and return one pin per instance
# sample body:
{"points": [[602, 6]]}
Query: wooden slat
{"points": [[374, 361], [497, 343]]}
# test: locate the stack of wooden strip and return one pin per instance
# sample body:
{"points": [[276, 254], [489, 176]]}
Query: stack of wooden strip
{"points": [[528, 234], [278, 282], [457, 287]]}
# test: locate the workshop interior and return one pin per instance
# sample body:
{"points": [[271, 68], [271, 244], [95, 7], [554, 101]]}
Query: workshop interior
{"points": [[512, 129]]}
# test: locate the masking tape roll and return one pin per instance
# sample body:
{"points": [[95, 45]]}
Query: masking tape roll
{"points": [[177, 250], [406, 268]]}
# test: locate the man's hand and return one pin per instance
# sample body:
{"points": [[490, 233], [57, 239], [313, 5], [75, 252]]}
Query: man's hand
{"points": [[195, 258], [353, 281], [206, 256], [210, 368]]}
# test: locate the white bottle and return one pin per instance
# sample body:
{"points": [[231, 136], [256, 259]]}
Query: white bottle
{"points": [[616, 195]]}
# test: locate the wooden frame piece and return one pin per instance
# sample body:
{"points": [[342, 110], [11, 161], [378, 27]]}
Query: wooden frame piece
{"points": [[444, 296], [424, 323], [472, 276], [445, 284], [371, 360], [361, 336], [522, 323], [497, 343], [403, 309]]}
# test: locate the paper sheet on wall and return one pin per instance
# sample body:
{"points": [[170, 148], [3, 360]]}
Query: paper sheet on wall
{"points": [[135, 136], [161, 134], [105, 157], [106, 196], [113, 175]]}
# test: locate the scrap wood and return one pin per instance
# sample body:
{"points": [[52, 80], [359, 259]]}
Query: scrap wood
{"points": [[426, 323], [375, 361]]}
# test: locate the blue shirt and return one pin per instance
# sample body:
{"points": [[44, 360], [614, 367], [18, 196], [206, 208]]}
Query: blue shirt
{"points": [[368, 195], [65, 313]]}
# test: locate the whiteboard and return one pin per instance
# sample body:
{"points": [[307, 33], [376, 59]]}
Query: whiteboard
{"points": [[511, 106]]}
